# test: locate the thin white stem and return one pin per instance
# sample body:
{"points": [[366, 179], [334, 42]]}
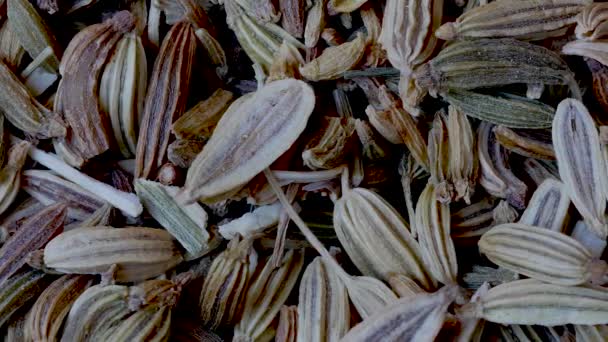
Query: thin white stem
{"points": [[42, 57], [312, 239], [126, 202], [284, 177]]}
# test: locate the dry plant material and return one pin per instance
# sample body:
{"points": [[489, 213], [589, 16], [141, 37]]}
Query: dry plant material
{"points": [[77, 95], [592, 22], [335, 60], [599, 73], [32, 32], [122, 254], [166, 101], [24, 111], [10, 174], [200, 121], [323, 308], [467, 65], [288, 324], [497, 177], [389, 248], [186, 223], [581, 164], [315, 23], [331, 146], [541, 254], [597, 50], [45, 319], [463, 168], [226, 283], [527, 145], [33, 234], [408, 38], [521, 19], [19, 290], [292, 16], [548, 207], [247, 141], [123, 90], [417, 318], [531, 301], [436, 245], [11, 50]]}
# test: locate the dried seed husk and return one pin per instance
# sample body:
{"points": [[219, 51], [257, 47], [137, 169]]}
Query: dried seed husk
{"points": [[323, 307], [581, 164], [483, 63], [260, 40], [373, 147], [315, 23], [286, 64], [14, 220], [215, 52], [503, 109], [19, 290], [247, 141], [186, 223], [46, 316], [373, 26], [410, 170], [599, 73], [287, 330], [292, 16], [539, 171], [597, 50], [266, 294], [33, 234], [398, 127], [417, 318], [11, 51], [262, 10], [540, 254], [439, 154], [149, 324], [483, 276], [23, 110], [139, 253], [548, 207], [407, 36], [335, 60], [522, 19], [592, 22], [331, 145], [404, 286], [472, 329], [122, 91], [345, 6], [49, 189], [97, 310], [32, 32], [476, 219], [226, 283], [183, 152], [590, 333], [200, 121], [463, 161], [10, 174], [436, 245], [169, 85], [128, 203], [77, 96], [386, 249], [15, 329], [496, 175], [531, 301], [528, 145]]}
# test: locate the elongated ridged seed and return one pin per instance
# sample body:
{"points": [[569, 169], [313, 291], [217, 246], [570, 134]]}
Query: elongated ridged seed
{"points": [[388, 248], [537, 253], [531, 301], [139, 253]]}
